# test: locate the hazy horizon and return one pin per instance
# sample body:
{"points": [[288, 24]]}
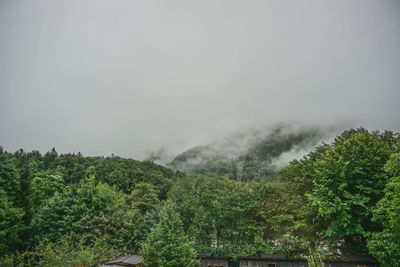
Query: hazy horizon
{"points": [[130, 77]]}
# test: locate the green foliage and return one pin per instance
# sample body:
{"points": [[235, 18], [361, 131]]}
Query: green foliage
{"points": [[385, 244], [314, 259], [292, 246], [167, 245], [216, 210], [92, 211], [11, 225], [49, 222], [69, 251], [274, 211], [55, 195], [348, 182], [144, 197], [134, 219], [9, 177], [7, 261], [43, 188], [69, 209], [236, 219]]}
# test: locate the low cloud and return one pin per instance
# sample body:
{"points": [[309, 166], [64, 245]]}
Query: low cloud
{"points": [[129, 77]]}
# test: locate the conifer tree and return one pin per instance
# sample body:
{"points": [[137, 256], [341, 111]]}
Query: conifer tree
{"points": [[167, 245]]}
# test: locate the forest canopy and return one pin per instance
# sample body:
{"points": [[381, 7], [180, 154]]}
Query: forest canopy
{"points": [[66, 209]]}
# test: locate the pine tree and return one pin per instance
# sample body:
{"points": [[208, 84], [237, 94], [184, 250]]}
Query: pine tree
{"points": [[167, 245]]}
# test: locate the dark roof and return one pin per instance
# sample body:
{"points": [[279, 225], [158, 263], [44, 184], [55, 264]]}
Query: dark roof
{"points": [[274, 256], [208, 254], [355, 258], [124, 260], [349, 258], [213, 257], [204, 254]]}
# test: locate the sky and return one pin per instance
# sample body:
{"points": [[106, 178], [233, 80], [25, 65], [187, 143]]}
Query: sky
{"points": [[129, 77]]}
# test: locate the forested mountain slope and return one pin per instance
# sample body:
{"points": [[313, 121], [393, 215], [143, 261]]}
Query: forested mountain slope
{"points": [[66, 210], [249, 155]]}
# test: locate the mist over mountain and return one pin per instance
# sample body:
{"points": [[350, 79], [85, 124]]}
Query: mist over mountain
{"points": [[96, 95], [246, 155], [126, 77]]}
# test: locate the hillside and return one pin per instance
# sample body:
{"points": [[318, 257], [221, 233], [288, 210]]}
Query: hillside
{"points": [[249, 155], [68, 210]]}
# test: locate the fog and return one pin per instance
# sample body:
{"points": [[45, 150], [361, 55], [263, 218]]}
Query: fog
{"points": [[129, 77]]}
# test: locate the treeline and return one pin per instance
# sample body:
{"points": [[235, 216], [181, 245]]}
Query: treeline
{"points": [[57, 202], [60, 210]]}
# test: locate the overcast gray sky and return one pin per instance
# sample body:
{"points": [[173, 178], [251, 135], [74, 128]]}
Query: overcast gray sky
{"points": [[126, 77]]}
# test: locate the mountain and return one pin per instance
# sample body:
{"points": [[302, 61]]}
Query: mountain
{"points": [[248, 155]]}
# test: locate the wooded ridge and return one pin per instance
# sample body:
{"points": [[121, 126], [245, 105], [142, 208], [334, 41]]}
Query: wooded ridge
{"points": [[341, 198]]}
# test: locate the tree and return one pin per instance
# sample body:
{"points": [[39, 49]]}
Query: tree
{"points": [[167, 245], [70, 250], [10, 225], [133, 219], [348, 182], [233, 213], [314, 260], [87, 210], [9, 177], [92, 211], [144, 197], [49, 222], [43, 188], [385, 245]]}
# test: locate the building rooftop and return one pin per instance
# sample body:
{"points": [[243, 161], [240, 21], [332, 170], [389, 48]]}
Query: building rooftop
{"points": [[127, 260]]}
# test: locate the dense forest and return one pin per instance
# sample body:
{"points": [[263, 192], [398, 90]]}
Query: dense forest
{"points": [[341, 198]]}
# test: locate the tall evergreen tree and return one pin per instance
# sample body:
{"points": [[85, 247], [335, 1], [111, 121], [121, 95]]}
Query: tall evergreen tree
{"points": [[167, 245]]}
